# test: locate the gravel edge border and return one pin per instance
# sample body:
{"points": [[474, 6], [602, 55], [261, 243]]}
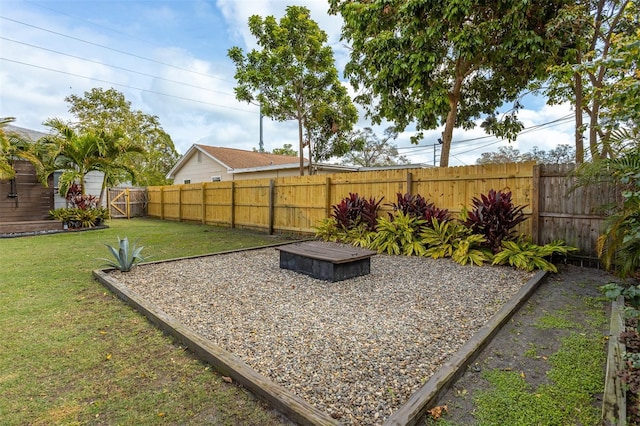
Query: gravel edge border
{"points": [[292, 406]]}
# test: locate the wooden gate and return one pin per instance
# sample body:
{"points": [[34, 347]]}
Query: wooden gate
{"points": [[127, 202]]}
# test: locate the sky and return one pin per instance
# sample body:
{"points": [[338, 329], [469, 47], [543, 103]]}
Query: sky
{"points": [[169, 59]]}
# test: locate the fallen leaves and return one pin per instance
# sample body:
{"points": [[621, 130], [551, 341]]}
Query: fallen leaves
{"points": [[436, 412]]}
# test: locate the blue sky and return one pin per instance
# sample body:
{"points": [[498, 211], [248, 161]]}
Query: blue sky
{"points": [[169, 59]]}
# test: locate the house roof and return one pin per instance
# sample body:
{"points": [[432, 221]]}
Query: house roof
{"points": [[241, 159], [32, 135], [238, 160]]}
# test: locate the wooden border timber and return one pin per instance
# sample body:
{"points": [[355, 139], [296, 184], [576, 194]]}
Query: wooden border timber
{"points": [[614, 399], [294, 407], [412, 411]]}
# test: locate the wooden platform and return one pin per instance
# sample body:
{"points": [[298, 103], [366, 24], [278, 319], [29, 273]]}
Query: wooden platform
{"points": [[326, 261]]}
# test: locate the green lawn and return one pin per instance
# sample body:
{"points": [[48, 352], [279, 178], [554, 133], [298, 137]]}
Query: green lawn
{"points": [[72, 353]]}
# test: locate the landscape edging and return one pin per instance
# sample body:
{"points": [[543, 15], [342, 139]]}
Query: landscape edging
{"points": [[294, 407], [412, 411]]}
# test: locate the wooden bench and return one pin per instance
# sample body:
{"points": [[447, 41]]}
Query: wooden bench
{"points": [[326, 261]]}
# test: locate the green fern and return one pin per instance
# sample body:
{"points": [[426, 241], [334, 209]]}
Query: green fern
{"points": [[359, 236], [327, 230]]}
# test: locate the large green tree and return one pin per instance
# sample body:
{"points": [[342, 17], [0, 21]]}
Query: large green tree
{"points": [[431, 63], [293, 77], [108, 111], [598, 70]]}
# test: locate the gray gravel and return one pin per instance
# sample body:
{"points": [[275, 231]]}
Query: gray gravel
{"points": [[356, 349]]}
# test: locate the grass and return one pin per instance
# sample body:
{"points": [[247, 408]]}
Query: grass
{"points": [[568, 398], [71, 353], [567, 401]]}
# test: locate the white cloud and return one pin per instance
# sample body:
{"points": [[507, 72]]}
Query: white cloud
{"points": [[203, 107]]}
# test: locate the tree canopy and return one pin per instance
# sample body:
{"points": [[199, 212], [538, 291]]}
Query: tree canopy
{"points": [[13, 146], [507, 154], [108, 111], [370, 150], [78, 154], [293, 77], [598, 70], [449, 62]]}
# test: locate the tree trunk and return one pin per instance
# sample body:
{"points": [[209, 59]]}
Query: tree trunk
{"points": [[447, 134], [578, 114], [301, 146]]}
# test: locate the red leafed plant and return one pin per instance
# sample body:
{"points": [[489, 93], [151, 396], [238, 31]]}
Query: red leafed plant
{"points": [[494, 216], [417, 206], [353, 210]]}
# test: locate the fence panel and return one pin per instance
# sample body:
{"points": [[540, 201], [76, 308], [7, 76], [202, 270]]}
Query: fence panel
{"points": [[218, 202], [571, 213], [557, 210]]}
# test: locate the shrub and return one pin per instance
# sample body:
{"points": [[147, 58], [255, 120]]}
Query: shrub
{"points": [[77, 199], [417, 206], [398, 235], [451, 239], [528, 256], [494, 216], [353, 210], [619, 246]]}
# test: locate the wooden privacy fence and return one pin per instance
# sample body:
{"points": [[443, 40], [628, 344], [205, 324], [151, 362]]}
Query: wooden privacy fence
{"points": [[298, 204]]}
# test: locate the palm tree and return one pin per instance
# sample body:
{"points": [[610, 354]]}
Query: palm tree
{"points": [[78, 154], [13, 146]]}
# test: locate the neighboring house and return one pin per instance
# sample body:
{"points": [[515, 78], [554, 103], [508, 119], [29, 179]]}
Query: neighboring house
{"points": [[203, 163]]}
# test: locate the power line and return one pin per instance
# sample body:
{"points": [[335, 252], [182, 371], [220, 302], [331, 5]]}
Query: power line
{"points": [[114, 50], [116, 67], [556, 122], [127, 86]]}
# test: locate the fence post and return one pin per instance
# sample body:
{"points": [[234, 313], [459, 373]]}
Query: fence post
{"points": [[328, 196], [409, 182], [179, 203], [232, 219], [272, 185], [204, 203], [127, 200], [162, 203], [535, 204]]}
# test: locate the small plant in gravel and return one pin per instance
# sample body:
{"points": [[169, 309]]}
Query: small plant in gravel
{"points": [[125, 257], [494, 216]]}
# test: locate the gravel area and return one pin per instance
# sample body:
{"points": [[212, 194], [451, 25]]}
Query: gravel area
{"points": [[356, 349]]}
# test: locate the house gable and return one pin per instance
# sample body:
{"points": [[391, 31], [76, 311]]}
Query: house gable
{"points": [[198, 166]]}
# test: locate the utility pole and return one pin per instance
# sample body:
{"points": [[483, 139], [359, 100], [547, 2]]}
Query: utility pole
{"points": [[261, 144]]}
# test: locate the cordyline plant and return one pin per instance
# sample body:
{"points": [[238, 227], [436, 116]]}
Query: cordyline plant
{"points": [[417, 206], [494, 216], [354, 210]]}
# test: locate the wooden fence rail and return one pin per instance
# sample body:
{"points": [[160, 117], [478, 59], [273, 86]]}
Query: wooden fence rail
{"points": [[298, 204]]}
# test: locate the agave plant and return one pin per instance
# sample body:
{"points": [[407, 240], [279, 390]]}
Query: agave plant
{"points": [[125, 257]]}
